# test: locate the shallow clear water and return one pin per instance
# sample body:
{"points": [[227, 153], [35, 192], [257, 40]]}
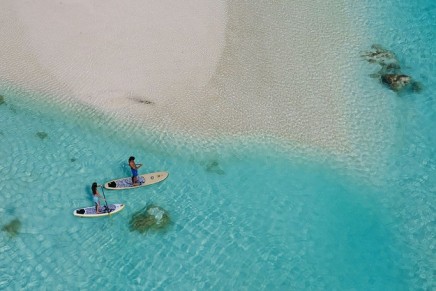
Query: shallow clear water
{"points": [[408, 29], [244, 216], [250, 220]]}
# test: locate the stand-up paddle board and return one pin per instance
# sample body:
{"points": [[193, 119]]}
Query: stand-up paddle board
{"points": [[143, 180], [90, 211]]}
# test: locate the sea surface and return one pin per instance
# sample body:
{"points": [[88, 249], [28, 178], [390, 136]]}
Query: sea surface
{"points": [[244, 215]]}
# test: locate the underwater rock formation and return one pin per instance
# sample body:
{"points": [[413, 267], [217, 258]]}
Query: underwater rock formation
{"points": [[381, 56], [13, 227], [396, 81], [149, 218], [214, 167], [390, 72], [41, 134], [2, 100]]}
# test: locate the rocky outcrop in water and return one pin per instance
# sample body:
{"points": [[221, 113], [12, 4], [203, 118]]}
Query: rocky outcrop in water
{"points": [[395, 81], [42, 134], [13, 227], [390, 72], [214, 167], [2, 100], [150, 218]]}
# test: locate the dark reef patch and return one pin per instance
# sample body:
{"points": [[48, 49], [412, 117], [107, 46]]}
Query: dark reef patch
{"points": [[396, 81], [152, 217], [2, 100], [13, 109], [390, 70], [13, 227], [42, 135], [214, 167]]}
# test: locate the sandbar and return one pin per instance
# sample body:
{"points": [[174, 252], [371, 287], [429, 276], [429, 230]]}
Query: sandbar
{"points": [[203, 68]]}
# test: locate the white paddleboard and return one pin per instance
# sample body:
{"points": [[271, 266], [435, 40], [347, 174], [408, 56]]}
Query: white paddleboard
{"points": [[144, 180], [90, 211]]}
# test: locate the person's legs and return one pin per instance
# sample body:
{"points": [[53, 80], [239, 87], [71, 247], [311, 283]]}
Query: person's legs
{"points": [[134, 177]]}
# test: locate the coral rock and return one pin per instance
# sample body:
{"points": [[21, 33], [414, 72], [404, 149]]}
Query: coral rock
{"points": [[151, 217], [395, 81]]}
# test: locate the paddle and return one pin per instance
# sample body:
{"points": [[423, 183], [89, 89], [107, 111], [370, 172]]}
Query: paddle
{"points": [[107, 206]]}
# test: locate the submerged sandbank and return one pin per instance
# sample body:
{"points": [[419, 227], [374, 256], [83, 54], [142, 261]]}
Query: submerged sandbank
{"points": [[197, 68]]}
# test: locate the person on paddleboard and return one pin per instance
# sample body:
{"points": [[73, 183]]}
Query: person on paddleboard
{"points": [[96, 197], [134, 167]]}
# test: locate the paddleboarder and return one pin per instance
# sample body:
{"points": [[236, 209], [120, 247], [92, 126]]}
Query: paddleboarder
{"points": [[96, 197], [134, 167]]}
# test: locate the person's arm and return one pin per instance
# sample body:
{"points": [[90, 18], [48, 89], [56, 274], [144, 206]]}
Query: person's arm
{"points": [[133, 165], [138, 166]]}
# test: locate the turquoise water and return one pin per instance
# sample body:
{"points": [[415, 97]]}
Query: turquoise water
{"points": [[249, 220], [408, 29], [244, 215]]}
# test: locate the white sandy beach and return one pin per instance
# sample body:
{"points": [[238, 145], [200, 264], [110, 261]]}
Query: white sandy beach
{"points": [[193, 67]]}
